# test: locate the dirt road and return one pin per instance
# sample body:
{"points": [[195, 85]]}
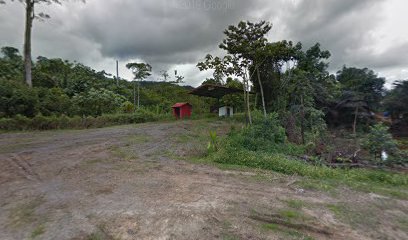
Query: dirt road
{"points": [[131, 182]]}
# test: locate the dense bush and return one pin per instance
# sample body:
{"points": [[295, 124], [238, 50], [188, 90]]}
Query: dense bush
{"points": [[379, 139], [96, 102], [17, 98], [263, 146], [54, 101], [264, 134], [40, 122]]}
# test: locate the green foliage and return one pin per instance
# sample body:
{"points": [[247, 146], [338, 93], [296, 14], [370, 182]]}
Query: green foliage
{"points": [[127, 107], [232, 154], [11, 64], [140, 70], [267, 129], [265, 134], [213, 143], [96, 102], [61, 87], [378, 140], [396, 100], [234, 100], [17, 98], [53, 101], [260, 146], [246, 39], [40, 122], [363, 83]]}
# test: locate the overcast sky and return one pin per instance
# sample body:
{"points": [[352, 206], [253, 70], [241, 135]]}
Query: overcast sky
{"points": [[176, 34]]}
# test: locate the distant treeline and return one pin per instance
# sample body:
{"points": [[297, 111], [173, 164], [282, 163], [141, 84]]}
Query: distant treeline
{"points": [[70, 89]]}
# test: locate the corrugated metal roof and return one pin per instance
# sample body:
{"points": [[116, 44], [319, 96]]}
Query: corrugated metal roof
{"points": [[180, 104], [214, 91]]}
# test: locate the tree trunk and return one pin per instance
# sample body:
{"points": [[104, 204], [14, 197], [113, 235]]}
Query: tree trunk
{"points": [[117, 73], [355, 121], [134, 94], [302, 121], [248, 105], [138, 94], [256, 100], [245, 105], [262, 92], [27, 42]]}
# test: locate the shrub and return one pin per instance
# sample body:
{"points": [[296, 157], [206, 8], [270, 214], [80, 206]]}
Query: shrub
{"points": [[265, 134], [262, 146], [378, 140], [96, 102], [127, 107], [282, 163], [17, 98], [53, 102], [40, 122]]}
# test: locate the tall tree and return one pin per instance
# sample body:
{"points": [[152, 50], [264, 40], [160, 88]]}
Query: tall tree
{"points": [[247, 40], [396, 100], [165, 75], [364, 83], [30, 15], [140, 72], [278, 58], [11, 64], [314, 62], [229, 65]]}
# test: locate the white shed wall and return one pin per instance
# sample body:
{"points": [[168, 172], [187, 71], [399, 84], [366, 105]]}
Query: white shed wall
{"points": [[222, 111]]}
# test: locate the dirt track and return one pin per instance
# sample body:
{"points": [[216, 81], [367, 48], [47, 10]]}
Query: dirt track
{"points": [[128, 182]]}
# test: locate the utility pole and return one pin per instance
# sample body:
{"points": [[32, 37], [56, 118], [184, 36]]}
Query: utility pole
{"points": [[117, 72]]}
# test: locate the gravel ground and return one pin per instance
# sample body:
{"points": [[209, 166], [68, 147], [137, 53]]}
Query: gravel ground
{"points": [[132, 182]]}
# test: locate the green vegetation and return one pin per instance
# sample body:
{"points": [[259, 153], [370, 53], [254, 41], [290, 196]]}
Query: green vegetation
{"points": [[378, 140], [71, 95], [95, 236], [288, 223], [25, 213], [288, 233], [263, 145], [294, 203], [39, 230], [40, 122]]}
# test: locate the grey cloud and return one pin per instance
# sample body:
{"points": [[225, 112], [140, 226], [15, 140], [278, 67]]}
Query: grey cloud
{"points": [[163, 31], [394, 56], [342, 27], [178, 33]]}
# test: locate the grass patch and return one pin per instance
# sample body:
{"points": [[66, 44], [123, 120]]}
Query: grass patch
{"points": [[228, 236], [263, 146], [124, 153], [403, 223], [317, 177], [312, 184], [362, 216], [294, 203], [95, 236], [24, 214], [271, 226], [285, 232], [289, 214], [138, 139], [39, 230]]}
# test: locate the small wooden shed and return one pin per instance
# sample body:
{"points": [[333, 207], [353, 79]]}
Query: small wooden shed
{"points": [[226, 111], [182, 110]]}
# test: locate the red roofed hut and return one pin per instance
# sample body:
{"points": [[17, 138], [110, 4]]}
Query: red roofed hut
{"points": [[182, 110]]}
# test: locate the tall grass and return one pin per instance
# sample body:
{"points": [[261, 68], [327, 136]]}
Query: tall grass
{"points": [[263, 145]]}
